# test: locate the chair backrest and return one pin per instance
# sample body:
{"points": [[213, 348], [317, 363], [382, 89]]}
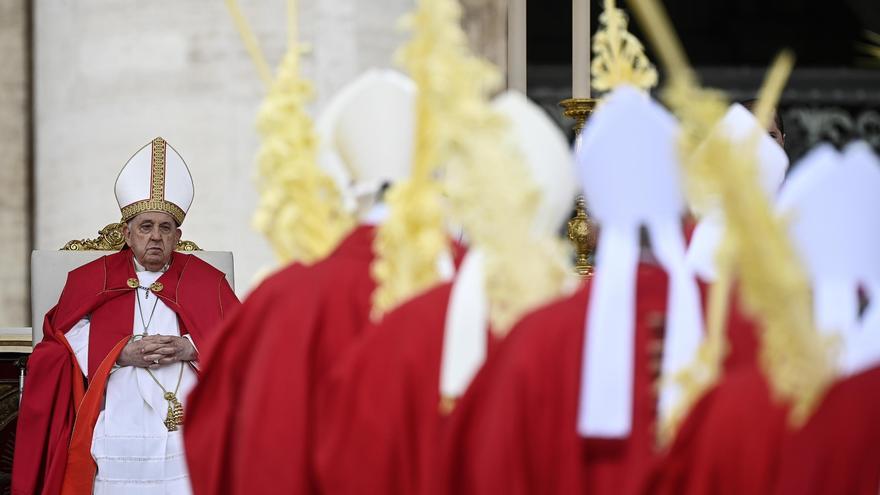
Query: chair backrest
{"points": [[49, 271]]}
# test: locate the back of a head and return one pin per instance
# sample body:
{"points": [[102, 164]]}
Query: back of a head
{"points": [[368, 129]]}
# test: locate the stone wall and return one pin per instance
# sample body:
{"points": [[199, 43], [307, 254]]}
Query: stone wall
{"points": [[14, 164], [110, 75]]}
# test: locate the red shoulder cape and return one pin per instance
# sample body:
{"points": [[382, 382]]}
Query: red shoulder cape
{"points": [[514, 431], [252, 410], [197, 292], [838, 450]]}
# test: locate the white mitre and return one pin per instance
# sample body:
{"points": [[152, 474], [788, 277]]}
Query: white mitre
{"points": [[367, 135], [155, 179], [739, 126], [630, 172], [550, 163], [830, 204]]}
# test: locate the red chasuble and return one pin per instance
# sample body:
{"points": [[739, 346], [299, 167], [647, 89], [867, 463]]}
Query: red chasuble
{"points": [[729, 443], [50, 452], [515, 430], [251, 416], [380, 422], [838, 450]]}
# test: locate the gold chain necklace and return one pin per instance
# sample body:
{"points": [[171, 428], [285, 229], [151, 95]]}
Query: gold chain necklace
{"points": [[174, 416]]}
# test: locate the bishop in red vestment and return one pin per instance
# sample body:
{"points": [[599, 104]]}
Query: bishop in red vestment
{"points": [[252, 414], [515, 432], [254, 411], [381, 417], [380, 420], [65, 441]]}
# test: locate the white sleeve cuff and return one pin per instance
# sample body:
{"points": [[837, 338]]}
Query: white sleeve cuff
{"points": [[78, 338], [193, 363]]}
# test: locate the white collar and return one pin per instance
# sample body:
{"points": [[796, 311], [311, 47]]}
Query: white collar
{"points": [[141, 268]]}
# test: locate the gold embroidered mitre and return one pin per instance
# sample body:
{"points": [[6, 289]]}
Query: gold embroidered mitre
{"points": [[155, 179]]}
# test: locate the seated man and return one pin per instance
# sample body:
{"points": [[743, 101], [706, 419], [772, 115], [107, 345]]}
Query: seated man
{"points": [[107, 384]]}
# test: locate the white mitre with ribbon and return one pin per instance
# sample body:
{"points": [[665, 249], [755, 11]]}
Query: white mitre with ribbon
{"points": [[550, 163], [629, 168], [155, 179], [830, 203], [738, 125], [367, 135]]}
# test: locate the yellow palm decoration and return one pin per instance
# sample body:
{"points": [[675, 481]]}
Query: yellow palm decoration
{"points": [[756, 250], [301, 210]]}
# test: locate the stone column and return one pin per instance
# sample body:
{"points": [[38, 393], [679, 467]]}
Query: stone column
{"points": [[485, 22], [15, 234]]}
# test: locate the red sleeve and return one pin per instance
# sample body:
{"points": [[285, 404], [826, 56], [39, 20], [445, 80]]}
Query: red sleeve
{"points": [[838, 450], [228, 300], [45, 417], [227, 412], [212, 406], [730, 442], [358, 425], [484, 452], [378, 415]]}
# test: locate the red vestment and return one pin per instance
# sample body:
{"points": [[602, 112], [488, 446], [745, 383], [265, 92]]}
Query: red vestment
{"points": [[729, 442], [838, 450], [380, 422], [515, 430], [253, 409], [51, 404]]}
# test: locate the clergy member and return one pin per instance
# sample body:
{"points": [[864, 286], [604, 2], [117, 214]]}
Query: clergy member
{"points": [[384, 407], [107, 386], [253, 417], [567, 404], [740, 438]]}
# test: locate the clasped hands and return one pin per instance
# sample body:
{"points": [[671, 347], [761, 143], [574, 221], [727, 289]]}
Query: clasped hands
{"points": [[154, 351]]}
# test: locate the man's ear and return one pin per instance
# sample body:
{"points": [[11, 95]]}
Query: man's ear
{"points": [[177, 234], [126, 233]]}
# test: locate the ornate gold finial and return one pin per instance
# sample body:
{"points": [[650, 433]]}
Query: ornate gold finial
{"points": [[619, 57], [583, 236], [578, 109]]}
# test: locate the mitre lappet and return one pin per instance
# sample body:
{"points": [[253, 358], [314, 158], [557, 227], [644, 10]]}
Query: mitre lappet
{"points": [[155, 179], [629, 166], [830, 204]]}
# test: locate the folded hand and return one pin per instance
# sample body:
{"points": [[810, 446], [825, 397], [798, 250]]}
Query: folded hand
{"points": [[153, 351]]}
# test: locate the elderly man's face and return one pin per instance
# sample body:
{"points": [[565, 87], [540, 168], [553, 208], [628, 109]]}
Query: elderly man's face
{"points": [[152, 237]]}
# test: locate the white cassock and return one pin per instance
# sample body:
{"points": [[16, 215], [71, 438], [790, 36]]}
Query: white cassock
{"points": [[134, 451]]}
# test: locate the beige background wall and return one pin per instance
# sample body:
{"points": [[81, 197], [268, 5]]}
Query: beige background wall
{"points": [[109, 75]]}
